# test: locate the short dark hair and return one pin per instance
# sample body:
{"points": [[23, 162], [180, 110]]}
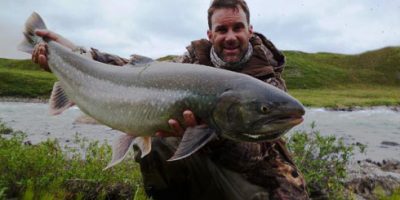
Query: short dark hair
{"points": [[218, 4]]}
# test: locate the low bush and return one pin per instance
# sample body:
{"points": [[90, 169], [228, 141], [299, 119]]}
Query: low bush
{"points": [[48, 171], [323, 160]]}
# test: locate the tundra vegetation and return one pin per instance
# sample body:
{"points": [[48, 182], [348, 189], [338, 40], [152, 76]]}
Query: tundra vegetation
{"points": [[50, 171]]}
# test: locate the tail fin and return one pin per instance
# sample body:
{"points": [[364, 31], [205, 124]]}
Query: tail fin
{"points": [[31, 39]]}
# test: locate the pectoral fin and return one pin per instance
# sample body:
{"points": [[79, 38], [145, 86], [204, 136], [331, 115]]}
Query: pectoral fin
{"points": [[193, 139], [123, 145], [59, 100], [144, 144]]}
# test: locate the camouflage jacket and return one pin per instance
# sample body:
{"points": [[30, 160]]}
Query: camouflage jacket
{"points": [[266, 63]]}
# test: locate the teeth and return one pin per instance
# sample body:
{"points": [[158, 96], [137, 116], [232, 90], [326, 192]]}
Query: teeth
{"points": [[253, 136]]}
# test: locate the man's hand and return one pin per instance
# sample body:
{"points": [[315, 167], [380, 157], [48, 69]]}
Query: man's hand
{"points": [[39, 54], [190, 121]]}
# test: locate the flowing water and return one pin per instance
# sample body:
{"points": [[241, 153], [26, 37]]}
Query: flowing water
{"points": [[378, 128]]}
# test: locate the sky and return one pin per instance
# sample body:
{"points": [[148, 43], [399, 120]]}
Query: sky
{"points": [[156, 28]]}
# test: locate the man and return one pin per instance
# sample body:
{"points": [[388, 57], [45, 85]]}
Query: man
{"points": [[223, 169]]}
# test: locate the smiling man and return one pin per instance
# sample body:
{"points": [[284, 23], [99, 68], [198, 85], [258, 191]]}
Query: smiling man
{"points": [[223, 169], [230, 35]]}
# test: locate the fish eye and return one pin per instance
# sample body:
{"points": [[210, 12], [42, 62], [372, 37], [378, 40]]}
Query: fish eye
{"points": [[264, 109]]}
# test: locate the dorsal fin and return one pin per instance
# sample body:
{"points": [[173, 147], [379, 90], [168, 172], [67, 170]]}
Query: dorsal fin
{"points": [[59, 100]]}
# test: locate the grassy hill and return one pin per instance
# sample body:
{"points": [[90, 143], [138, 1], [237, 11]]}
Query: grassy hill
{"points": [[22, 78], [337, 80], [317, 79], [326, 70]]}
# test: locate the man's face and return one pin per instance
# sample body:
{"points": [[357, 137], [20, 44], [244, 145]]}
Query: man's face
{"points": [[230, 34]]}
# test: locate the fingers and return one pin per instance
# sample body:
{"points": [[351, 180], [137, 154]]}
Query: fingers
{"points": [[43, 63], [177, 130], [39, 56], [55, 37], [176, 127], [35, 54], [47, 34], [190, 119]]}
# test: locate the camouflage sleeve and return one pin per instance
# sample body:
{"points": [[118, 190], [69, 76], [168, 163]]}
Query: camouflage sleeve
{"points": [[185, 58], [108, 58], [277, 81]]}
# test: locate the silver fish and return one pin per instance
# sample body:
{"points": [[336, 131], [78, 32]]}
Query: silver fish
{"points": [[139, 99]]}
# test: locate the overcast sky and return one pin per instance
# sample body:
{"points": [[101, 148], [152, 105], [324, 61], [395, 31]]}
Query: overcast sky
{"points": [[156, 28]]}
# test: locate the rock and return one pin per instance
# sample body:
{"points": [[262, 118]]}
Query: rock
{"points": [[345, 108], [395, 108], [370, 180], [391, 166], [389, 143]]}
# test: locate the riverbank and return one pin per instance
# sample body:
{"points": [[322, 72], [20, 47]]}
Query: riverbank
{"points": [[23, 100], [349, 98], [319, 102], [330, 159]]}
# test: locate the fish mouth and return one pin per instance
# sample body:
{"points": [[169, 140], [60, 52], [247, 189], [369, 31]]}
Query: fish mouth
{"points": [[272, 128], [291, 120]]}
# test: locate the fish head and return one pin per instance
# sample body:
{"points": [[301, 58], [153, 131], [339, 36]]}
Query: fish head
{"points": [[256, 114]]}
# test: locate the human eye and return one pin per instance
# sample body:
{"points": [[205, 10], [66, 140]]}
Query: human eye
{"points": [[221, 29], [238, 27]]}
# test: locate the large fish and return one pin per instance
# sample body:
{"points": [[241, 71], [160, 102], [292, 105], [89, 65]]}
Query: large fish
{"points": [[139, 99]]}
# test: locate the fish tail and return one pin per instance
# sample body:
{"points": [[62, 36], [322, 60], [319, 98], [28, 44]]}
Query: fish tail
{"points": [[33, 23]]}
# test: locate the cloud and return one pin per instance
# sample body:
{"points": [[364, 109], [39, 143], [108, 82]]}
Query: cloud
{"points": [[157, 28], [332, 26]]}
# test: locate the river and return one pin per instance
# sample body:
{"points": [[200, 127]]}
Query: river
{"points": [[378, 128]]}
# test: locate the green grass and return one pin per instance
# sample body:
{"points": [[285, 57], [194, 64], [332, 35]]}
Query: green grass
{"points": [[326, 70], [18, 64], [22, 78], [348, 97], [25, 83], [394, 196], [167, 58]]}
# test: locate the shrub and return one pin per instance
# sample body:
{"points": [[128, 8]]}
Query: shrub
{"points": [[47, 171], [323, 161]]}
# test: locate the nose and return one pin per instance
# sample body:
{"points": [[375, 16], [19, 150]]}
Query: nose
{"points": [[230, 36]]}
